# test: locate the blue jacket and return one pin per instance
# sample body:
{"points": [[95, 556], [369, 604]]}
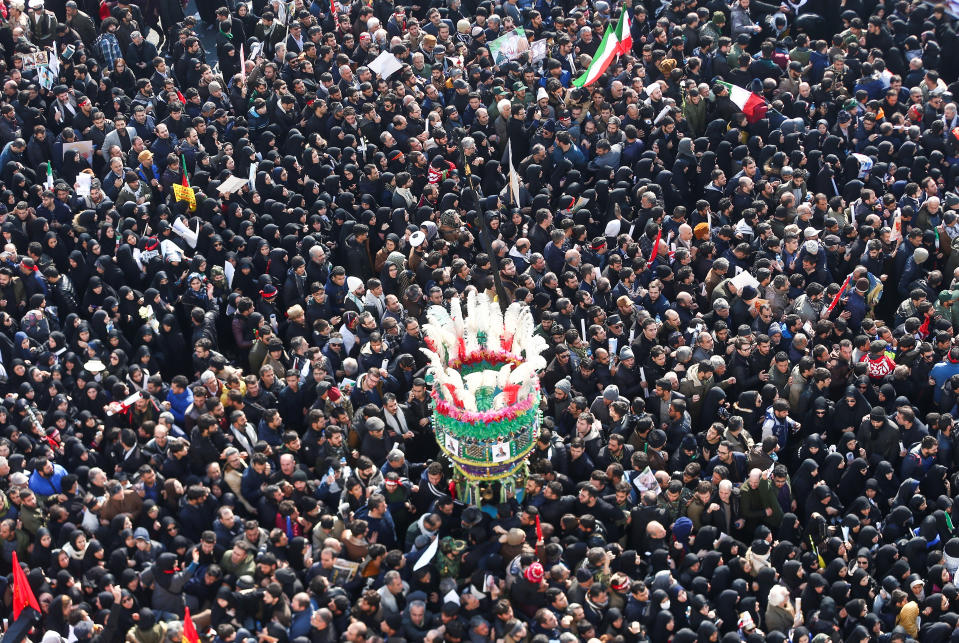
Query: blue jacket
{"points": [[941, 373], [856, 304], [300, 624], [44, 487], [574, 156], [915, 465], [250, 485], [179, 403]]}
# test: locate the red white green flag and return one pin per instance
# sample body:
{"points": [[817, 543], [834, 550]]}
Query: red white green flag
{"points": [[617, 40], [623, 32], [752, 105]]}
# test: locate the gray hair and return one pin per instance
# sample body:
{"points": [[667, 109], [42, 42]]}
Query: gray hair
{"points": [[391, 576], [777, 595]]}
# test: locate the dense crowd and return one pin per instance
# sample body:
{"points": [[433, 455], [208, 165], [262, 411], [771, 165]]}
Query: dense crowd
{"points": [[750, 403]]}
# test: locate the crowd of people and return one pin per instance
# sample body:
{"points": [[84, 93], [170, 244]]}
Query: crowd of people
{"points": [[216, 267]]}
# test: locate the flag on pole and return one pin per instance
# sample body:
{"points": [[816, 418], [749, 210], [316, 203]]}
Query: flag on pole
{"points": [[752, 105], [22, 593], [189, 630], [183, 191], [652, 256], [617, 40], [623, 32], [26, 609], [180, 96], [513, 177], [49, 175], [835, 300]]}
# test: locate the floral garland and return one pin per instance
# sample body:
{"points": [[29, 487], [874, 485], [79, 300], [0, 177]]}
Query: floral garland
{"points": [[506, 414], [493, 357], [503, 431]]}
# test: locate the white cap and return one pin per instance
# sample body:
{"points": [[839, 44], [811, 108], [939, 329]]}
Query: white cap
{"points": [[541, 93], [352, 283], [36, 4], [811, 247], [810, 232]]}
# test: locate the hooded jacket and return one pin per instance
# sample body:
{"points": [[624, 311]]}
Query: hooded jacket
{"points": [[167, 583]]}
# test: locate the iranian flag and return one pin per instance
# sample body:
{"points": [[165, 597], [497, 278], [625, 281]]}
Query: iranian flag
{"points": [[623, 33], [752, 105], [617, 40]]}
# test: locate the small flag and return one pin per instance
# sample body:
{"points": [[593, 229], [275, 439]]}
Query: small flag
{"points": [[752, 105], [924, 327], [184, 193], [539, 530], [49, 175], [186, 179], [189, 630], [180, 96], [624, 32], [819, 558], [242, 65], [333, 6], [835, 300], [652, 256]]}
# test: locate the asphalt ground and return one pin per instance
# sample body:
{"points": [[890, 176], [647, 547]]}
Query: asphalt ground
{"points": [[207, 36]]}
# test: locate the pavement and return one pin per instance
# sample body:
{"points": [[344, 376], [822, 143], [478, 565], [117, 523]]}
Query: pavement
{"points": [[207, 36]]}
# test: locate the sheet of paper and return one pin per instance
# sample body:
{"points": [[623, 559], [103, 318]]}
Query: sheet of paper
{"points": [[83, 184], [385, 65], [743, 279]]}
